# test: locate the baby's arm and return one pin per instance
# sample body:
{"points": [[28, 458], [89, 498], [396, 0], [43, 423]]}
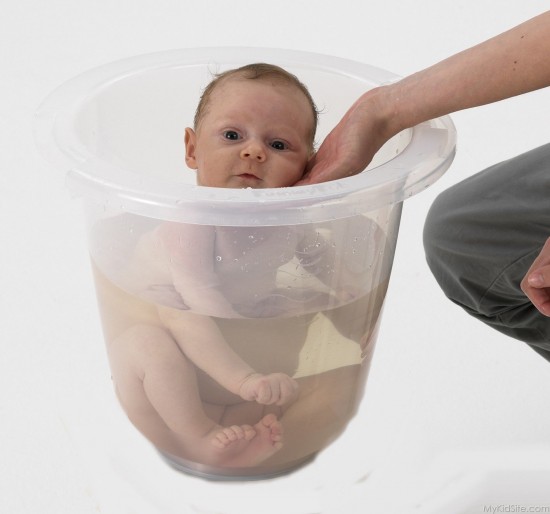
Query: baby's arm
{"points": [[320, 256], [202, 342], [190, 253], [315, 253], [341, 253]]}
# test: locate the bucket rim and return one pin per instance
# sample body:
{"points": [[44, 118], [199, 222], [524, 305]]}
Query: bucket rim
{"points": [[427, 155]]}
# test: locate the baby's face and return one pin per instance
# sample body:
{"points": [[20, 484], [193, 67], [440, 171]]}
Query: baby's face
{"points": [[253, 134]]}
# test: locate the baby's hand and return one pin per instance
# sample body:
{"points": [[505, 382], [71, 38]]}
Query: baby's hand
{"points": [[275, 388]]}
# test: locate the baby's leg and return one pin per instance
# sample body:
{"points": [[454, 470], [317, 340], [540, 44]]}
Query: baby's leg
{"points": [[157, 387]]}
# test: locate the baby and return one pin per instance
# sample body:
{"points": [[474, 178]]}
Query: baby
{"points": [[254, 128]]}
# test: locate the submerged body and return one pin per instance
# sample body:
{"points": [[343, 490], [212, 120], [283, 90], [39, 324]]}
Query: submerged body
{"points": [[327, 354]]}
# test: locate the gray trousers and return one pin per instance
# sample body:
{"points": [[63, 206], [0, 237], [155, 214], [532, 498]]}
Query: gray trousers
{"points": [[482, 235]]}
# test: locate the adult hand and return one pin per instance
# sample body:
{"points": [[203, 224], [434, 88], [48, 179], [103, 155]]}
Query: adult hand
{"points": [[351, 145], [536, 283]]}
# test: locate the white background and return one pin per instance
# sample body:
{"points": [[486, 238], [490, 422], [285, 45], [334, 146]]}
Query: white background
{"points": [[459, 414]]}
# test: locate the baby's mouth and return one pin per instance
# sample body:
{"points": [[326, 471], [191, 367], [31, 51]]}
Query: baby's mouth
{"points": [[248, 176]]}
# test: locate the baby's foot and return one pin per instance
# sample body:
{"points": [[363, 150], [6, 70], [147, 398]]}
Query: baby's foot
{"points": [[246, 446], [227, 438], [269, 433], [275, 388]]}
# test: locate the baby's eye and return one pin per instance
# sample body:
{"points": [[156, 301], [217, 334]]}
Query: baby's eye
{"points": [[231, 135], [279, 145]]}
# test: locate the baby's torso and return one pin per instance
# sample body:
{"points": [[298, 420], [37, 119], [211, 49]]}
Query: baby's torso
{"points": [[247, 260], [261, 273]]}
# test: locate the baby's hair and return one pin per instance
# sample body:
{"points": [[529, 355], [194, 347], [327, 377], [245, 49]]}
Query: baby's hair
{"points": [[256, 71]]}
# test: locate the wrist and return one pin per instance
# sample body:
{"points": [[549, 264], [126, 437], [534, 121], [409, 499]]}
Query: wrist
{"points": [[394, 111], [241, 385], [404, 104], [382, 106]]}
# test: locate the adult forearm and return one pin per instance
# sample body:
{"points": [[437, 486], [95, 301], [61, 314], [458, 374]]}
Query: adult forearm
{"points": [[510, 64]]}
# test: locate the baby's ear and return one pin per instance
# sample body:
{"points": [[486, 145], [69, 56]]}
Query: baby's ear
{"points": [[190, 147]]}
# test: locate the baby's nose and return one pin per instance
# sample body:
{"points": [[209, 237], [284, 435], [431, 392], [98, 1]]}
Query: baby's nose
{"points": [[254, 151]]}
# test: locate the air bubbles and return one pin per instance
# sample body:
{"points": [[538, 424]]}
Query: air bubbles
{"points": [[219, 258]]}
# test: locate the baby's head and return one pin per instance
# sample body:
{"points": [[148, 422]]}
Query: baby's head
{"points": [[254, 127]]}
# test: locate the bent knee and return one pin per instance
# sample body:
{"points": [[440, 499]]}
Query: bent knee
{"points": [[457, 251], [442, 227], [441, 237]]}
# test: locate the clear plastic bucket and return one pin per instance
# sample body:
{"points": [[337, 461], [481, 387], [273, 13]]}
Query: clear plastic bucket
{"points": [[296, 277]]}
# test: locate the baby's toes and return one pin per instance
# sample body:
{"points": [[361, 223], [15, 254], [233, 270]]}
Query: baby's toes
{"points": [[249, 432], [234, 432]]}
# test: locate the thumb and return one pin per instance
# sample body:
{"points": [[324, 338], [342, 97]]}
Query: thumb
{"points": [[539, 277]]}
